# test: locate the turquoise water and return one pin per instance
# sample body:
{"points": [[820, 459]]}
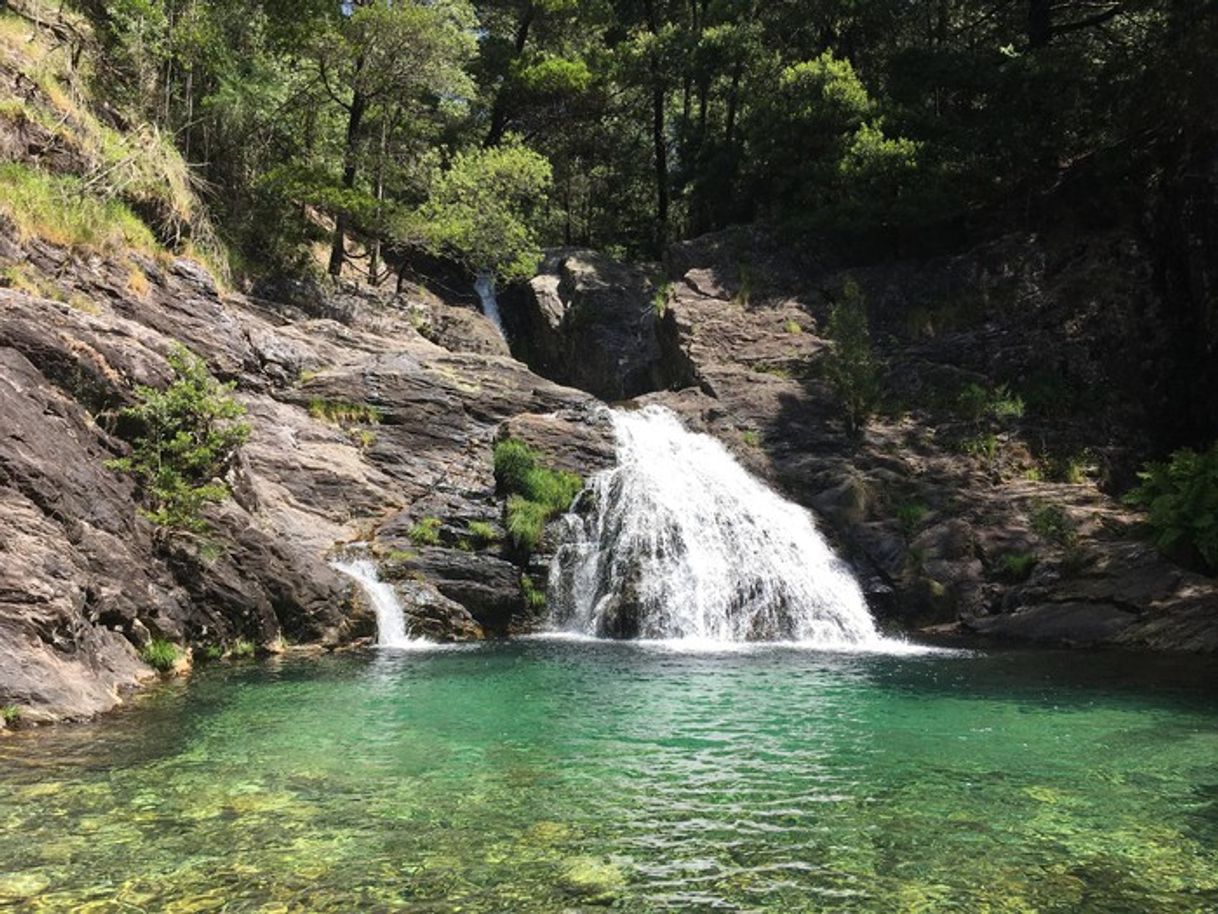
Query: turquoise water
{"points": [[558, 776]]}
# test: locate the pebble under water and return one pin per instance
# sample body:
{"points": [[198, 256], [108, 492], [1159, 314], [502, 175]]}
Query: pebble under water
{"points": [[543, 776]]}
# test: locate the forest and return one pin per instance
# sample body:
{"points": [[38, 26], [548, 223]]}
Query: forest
{"points": [[483, 130]]}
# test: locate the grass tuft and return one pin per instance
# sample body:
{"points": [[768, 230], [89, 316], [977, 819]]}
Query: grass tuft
{"points": [[160, 654], [60, 211]]}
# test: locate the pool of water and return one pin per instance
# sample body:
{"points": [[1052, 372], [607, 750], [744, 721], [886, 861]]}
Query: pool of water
{"points": [[556, 776]]}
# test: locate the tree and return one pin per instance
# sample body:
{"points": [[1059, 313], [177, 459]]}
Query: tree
{"points": [[408, 54], [851, 368], [183, 441], [485, 210]]}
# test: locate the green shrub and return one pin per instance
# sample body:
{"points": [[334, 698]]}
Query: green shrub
{"points": [[1051, 523], [851, 368], [1180, 496], [751, 437], [212, 653], [426, 532], [976, 403], [1016, 566], [11, 714], [185, 438], [792, 326], [659, 301], [982, 446], [160, 654]]}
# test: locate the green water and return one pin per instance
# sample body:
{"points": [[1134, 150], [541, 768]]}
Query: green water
{"points": [[555, 776]]}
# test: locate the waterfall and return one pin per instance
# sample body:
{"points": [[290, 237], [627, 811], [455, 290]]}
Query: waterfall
{"points": [[679, 541], [484, 285], [390, 620]]}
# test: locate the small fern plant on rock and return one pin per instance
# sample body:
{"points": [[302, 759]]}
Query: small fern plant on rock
{"points": [[183, 441]]}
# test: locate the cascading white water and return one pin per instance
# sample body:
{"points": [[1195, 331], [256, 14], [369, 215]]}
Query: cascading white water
{"points": [[679, 541], [390, 620], [484, 285]]}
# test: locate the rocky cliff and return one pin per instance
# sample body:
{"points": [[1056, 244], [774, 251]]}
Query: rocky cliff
{"points": [[363, 422]]}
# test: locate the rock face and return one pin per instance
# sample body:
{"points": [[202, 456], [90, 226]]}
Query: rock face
{"points": [[85, 581], [598, 325]]}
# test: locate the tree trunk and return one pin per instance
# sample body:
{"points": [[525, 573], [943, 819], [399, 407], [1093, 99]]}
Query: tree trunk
{"points": [[1040, 23], [658, 138], [355, 118], [733, 102], [499, 112]]}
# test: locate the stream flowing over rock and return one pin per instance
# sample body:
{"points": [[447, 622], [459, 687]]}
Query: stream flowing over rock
{"points": [[679, 541]]}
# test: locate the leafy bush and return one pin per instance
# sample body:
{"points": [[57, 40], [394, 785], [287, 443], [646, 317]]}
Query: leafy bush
{"points": [[426, 532], [852, 369], [10, 714], [1051, 522], [659, 301], [977, 403], [185, 438], [1180, 496], [160, 654]]}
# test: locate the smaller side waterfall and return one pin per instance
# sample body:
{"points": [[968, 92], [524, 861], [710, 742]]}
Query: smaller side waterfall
{"points": [[680, 542], [484, 285], [390, 620]]}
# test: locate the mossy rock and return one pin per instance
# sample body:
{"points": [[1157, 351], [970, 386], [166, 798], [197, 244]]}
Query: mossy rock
{"points": [[594, 880]]}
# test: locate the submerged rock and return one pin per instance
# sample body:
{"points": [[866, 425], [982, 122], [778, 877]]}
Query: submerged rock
{"points": [[594, 880]]}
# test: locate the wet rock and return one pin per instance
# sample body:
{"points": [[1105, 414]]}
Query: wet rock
{"points": [[429, 614], [1074, 624], [593, 323]]}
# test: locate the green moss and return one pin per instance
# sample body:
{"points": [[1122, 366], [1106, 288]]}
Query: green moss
{"points": [[160, 654], [426, 532], [751, 437], [10, 714], [792, 326]]}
